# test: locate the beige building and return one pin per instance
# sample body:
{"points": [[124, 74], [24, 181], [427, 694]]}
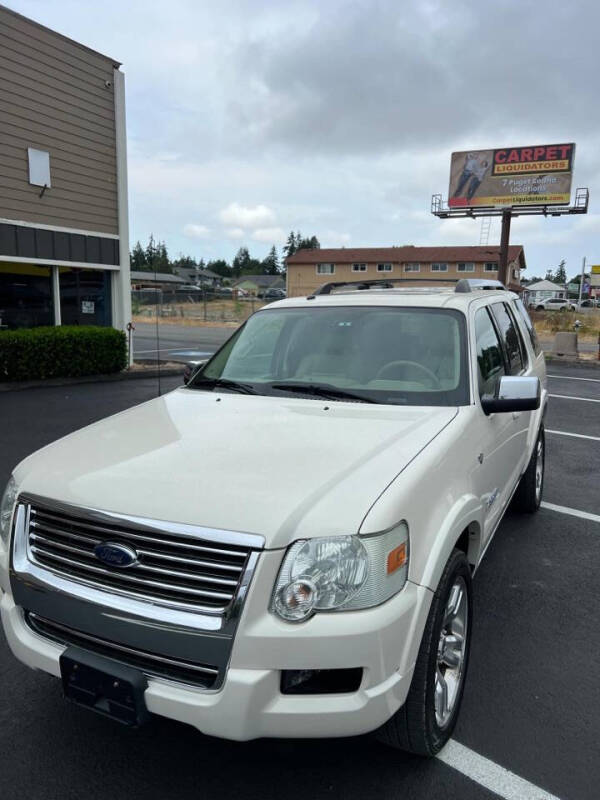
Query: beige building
{"points": [[309, 269], [64, 249]]}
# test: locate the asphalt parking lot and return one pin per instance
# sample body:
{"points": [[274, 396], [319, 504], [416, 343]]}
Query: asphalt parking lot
{"points": [[178, 342], [528, 729]]}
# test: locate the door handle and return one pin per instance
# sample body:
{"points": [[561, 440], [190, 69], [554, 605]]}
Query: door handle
{"points": [[516, 414]]}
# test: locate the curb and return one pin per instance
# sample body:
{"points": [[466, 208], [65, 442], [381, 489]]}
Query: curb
{"points": [[18, 386], [572, 362]]}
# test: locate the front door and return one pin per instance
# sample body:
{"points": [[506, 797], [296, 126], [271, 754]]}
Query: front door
{"points": [[498, 434]]}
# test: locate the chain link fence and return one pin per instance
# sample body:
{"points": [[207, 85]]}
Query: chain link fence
{"points": [[198, 306]]}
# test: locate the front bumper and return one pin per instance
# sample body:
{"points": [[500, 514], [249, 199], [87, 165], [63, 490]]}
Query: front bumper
{"points": [[384, 641]]}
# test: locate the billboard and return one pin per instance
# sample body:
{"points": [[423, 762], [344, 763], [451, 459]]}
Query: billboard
{"points": [[513, 176], [595, 279]]}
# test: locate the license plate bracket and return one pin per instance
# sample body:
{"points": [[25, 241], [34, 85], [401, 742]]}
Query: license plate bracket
{"points": [[104, 686]]}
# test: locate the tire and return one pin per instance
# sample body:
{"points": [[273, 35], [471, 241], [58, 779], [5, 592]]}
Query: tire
{"points": [[539, 308], [416, 727], [529, 492]]}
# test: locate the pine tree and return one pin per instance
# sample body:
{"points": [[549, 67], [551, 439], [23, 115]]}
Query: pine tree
{"points": [[220, 267], [309, 243], [241, 261], [151, 252], [137, 257], [560, 276], [289, 248], [270, 264], [162, 258]]}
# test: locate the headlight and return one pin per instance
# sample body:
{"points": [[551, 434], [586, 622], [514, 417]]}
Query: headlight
{"points": [[340, 573], [9, 498]]}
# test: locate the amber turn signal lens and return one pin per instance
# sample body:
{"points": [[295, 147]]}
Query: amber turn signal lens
{"points": [[396, 558]]}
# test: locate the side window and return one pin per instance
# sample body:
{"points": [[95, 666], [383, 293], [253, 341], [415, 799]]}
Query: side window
{"points": [[509, 336], [490, 360], [522, 311]]}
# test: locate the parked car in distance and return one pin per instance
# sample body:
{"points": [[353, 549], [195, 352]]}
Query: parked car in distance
{"points": [[555, 304], [586, 305], [293, 554], [189, 287], [273, 294]]}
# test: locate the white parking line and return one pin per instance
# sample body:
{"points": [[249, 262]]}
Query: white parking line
{"points": [[576, 435], [572, 512], [490, 775], [570, 397], [572, 378], [143, 352], [173, 350]]}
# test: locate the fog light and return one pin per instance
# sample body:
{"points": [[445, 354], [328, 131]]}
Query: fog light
{"points": [[296, 600], [321, 681]]}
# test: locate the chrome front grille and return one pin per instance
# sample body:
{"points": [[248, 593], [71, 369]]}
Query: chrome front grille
{"points": [[150, 664], [177, 565]]}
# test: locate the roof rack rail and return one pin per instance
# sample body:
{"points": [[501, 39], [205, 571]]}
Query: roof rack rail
{"points": [[382, 283], [478, 284], [462, 284]]}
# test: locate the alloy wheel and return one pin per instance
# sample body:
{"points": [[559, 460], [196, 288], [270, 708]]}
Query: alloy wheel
{"points": [[451, 652], [539, 470]]}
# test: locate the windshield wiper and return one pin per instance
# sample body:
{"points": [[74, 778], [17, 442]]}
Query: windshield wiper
{"points": [[322, 390], [224, 383]]}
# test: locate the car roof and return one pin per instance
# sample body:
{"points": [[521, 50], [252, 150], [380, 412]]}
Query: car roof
{"points": [[443, 297]]}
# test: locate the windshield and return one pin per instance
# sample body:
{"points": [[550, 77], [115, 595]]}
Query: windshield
{"points": [[414, 356]]}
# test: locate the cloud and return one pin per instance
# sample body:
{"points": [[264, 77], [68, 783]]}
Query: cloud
{"points": [[335, 239], [269, 235], [235, 234], [196, 231], [246, 216], [338, 118], [375, 77]]}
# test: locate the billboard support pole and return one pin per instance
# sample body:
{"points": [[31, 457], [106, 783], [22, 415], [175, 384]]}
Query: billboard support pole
{"points": [[504, 239], [581, 282]]}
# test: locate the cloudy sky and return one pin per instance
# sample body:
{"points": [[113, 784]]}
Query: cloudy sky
{"points": [[247, 118]]}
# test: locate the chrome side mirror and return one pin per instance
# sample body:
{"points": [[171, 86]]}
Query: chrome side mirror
{"points": [[191, 368], [513, 393]]}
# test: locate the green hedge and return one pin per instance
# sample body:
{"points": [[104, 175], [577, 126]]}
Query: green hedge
{"points": [[67, 351]]}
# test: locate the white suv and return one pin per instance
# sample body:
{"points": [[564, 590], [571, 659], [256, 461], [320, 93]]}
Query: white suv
{"points": [[555, 304], [285, 546]]}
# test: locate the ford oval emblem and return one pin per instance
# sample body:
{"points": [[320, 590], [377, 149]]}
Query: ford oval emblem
{"points": [[114, 554]]}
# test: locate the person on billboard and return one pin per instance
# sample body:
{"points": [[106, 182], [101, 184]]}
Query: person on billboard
{"points": [[479, 171], [471, 162]]}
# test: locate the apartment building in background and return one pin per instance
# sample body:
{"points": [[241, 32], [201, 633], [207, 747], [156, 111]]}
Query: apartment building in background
{"points": [[64, 244], [309, 269]]}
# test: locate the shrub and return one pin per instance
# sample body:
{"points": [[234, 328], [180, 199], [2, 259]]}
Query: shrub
{"points": [[67, 351]]}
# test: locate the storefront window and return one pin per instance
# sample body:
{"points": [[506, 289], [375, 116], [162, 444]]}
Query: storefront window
{"points": [[25, 296], [85, 297]]}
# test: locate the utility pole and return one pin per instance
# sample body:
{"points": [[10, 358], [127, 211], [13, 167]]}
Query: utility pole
{"points": [[581, 281], [504, 239]]}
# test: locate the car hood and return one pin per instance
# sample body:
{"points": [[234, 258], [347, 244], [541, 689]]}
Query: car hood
{"points": [[281, 467]]}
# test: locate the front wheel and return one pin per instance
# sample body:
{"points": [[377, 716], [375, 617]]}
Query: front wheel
{"points": [[425, 722], [528, 496]]}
